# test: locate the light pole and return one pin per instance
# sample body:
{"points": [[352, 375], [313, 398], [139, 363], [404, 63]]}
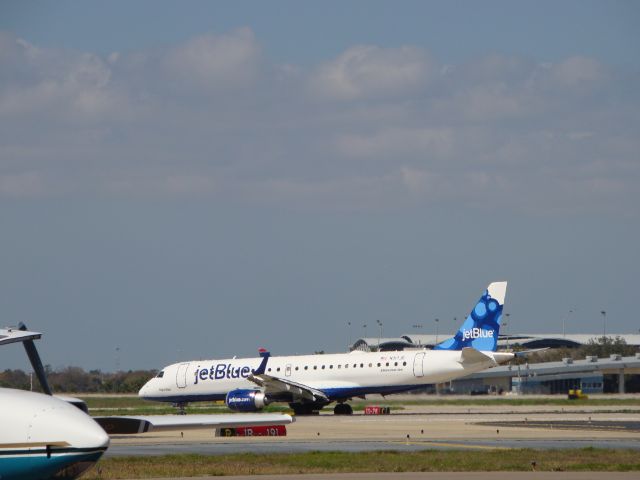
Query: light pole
{"points": [[564, 320], [506, 324], [418, 325], [349, 328], [365, 330], [437, 321], [380, 333], [604, 323], [117, 359]]}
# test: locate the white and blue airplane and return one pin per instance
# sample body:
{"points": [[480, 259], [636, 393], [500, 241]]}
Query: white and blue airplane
{"points": [[47, 437], [309, 382]]}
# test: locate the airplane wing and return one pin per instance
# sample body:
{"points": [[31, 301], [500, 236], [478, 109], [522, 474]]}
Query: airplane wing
{"points": [[133, 425], [275, 386]]}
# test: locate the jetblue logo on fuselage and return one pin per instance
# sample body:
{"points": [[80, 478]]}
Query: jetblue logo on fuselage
{"points": [[220, 372], [477, 333]]}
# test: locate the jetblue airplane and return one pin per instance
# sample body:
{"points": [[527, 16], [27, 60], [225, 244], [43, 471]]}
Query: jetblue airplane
{"points": [[46, 437], [309, 382]]}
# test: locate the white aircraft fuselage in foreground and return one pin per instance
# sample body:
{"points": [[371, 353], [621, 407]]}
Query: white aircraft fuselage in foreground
{"points": [[44, 437], [308, 382]]}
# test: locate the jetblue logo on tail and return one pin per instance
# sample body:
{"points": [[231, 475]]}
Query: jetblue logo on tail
{"points": [[477, 333], [480, 329]]}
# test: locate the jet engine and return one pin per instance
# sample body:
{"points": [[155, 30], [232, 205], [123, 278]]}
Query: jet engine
{"points": [[242, 400]]}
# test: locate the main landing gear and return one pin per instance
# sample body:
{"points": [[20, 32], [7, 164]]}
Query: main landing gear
{"points": [[314, 408], [305, 408], [342, 409]]}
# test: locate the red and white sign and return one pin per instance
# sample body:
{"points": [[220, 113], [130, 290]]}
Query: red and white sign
{"points": [[258, 431], [376, 410]]}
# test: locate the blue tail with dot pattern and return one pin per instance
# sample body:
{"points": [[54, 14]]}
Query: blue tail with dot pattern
{"points": [[481, 328]]}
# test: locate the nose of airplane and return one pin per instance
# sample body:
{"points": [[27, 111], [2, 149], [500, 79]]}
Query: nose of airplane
{"points": [[75, 426], [145, 391], [93, 436]]}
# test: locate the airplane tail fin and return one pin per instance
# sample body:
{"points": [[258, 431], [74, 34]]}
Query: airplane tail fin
{"points": [[481, 328]]}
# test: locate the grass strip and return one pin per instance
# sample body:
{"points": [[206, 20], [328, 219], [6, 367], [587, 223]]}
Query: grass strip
{"points": [[516, 460], [493, 401], [131, 402], [98, 408]]}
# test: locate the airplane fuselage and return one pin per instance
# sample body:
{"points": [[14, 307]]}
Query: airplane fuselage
{"points": [[338, 376]]}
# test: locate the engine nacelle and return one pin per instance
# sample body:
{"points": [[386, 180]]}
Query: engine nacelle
{"points": [[242, 400]]}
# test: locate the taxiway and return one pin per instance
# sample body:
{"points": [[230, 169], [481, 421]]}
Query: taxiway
{"points": [[416, 428]]}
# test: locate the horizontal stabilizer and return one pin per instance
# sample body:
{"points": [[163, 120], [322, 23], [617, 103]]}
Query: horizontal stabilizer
{"points": [[13, 335], [469, 356], [133, 425]]}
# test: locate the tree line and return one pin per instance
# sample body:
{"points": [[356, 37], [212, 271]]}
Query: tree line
{"points": [[601, 347], [77, 380]]}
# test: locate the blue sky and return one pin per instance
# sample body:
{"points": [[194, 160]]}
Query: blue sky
{"points": [[305, 32], [187, 180]]}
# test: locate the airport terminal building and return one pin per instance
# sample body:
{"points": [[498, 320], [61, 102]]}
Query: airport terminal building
{"points": [[615, 374], [524, 340]]}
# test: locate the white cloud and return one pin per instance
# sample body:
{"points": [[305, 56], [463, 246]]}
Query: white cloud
{"points": [[61, 83], [88, 71], [577, 72], [489, 102], [399, 143], [379, 126], [367, 71], [211, 61], [173, 184], [419, 181]]}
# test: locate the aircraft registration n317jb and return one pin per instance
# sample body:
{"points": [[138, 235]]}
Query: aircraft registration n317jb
{"points": [[309, 382]]}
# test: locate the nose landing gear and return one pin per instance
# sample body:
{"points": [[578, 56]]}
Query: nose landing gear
{"points": [[181, 406]]}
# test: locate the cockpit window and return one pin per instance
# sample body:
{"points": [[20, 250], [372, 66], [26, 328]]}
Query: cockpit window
{"points": [[161, 374]]}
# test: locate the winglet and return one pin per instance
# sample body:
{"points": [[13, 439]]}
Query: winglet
{"points": [[263, 365]]}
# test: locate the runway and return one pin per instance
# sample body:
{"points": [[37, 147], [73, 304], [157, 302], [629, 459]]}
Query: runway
{"points": [[416, 428], [439, 476], [287, 446]]}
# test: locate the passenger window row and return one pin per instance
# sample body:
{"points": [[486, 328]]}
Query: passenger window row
{"points": [[339, 366]]}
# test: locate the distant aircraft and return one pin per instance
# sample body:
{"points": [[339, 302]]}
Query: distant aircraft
{"points": [[45, 437], [309, 382]]}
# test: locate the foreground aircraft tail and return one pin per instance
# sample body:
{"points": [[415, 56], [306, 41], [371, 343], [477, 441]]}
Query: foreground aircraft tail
{"points": [[481, 328]]}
